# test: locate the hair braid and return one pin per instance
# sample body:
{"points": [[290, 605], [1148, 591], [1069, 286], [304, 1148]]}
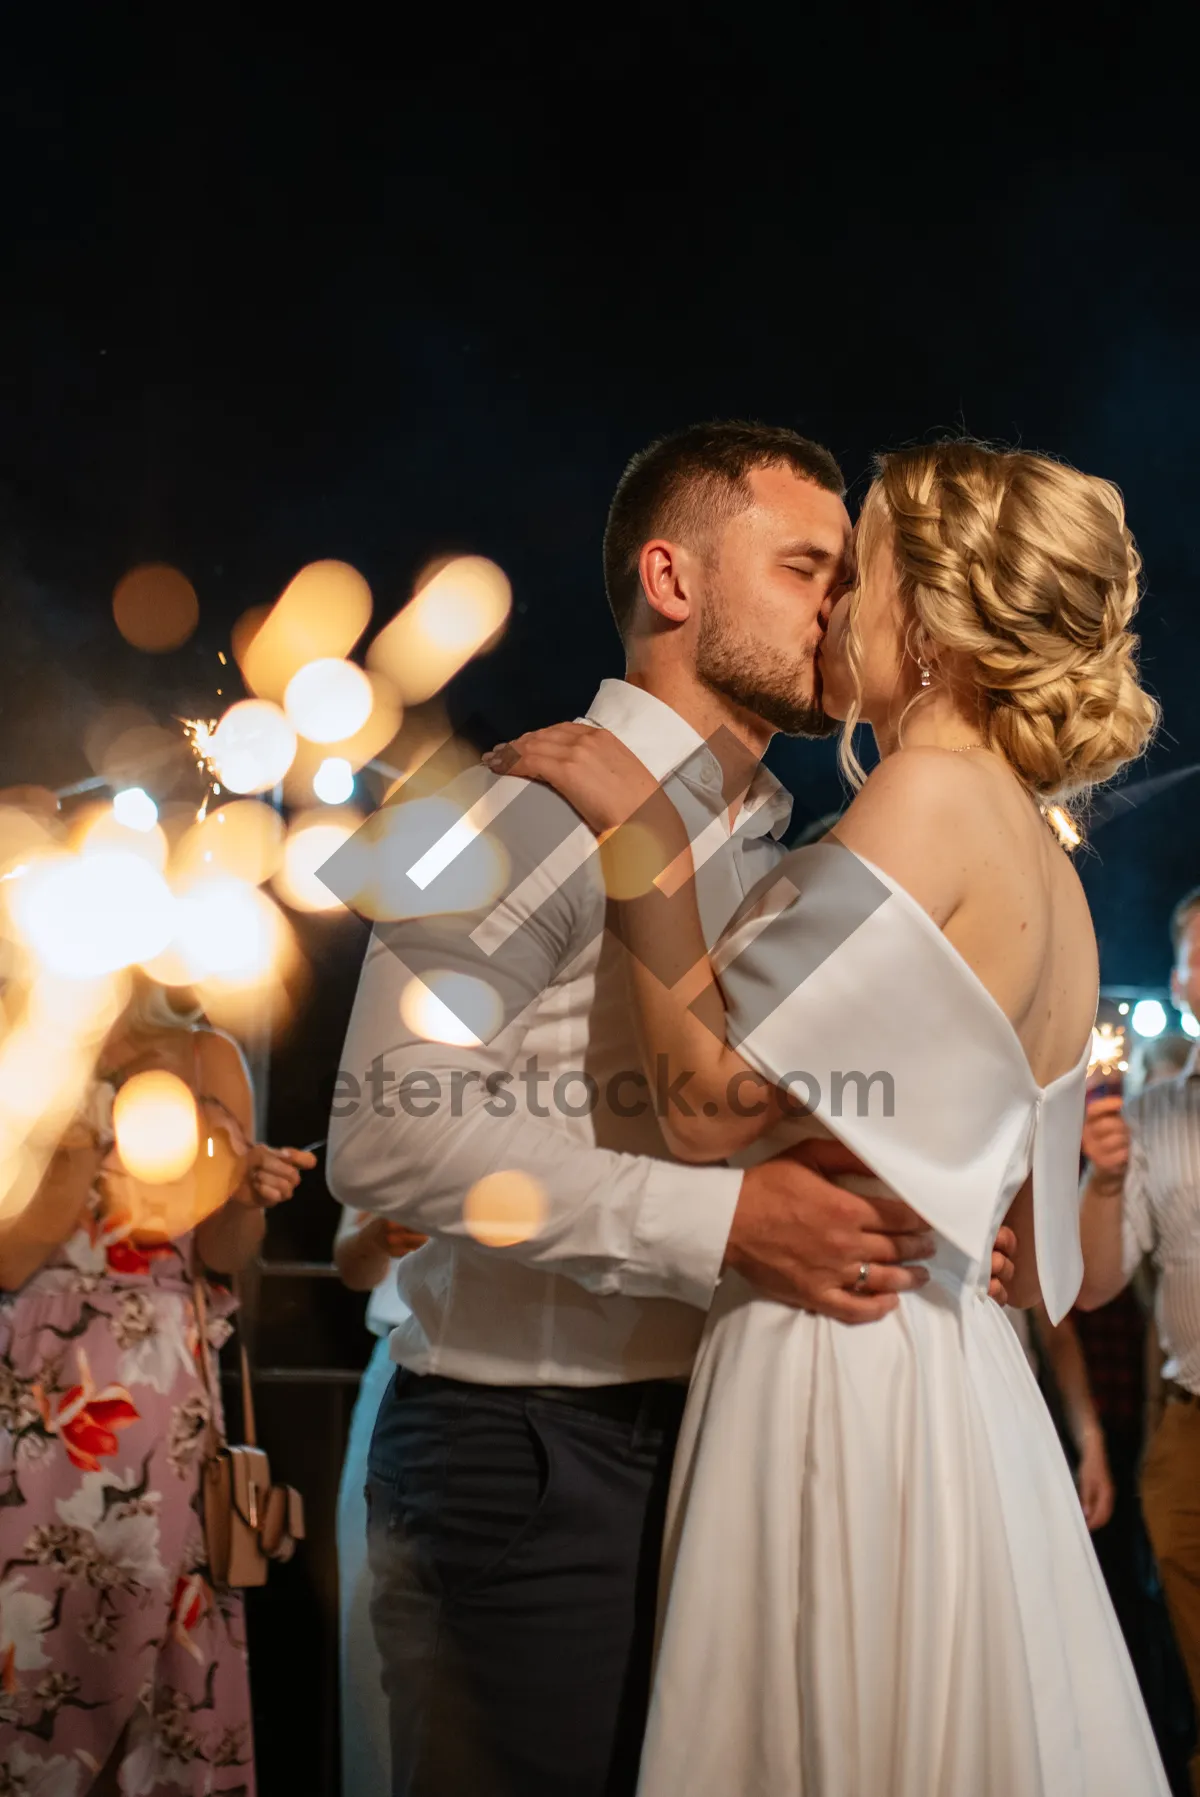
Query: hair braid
{"points": [[1025, 570]]}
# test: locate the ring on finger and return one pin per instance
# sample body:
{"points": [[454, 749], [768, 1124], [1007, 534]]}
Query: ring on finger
{"points": [[864, 1273]]}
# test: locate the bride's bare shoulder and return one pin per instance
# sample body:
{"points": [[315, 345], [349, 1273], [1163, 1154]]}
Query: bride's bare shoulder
{"points": [[919, 817]]}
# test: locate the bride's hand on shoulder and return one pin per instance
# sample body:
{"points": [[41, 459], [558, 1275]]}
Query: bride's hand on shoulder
{"points": [[590, 767]]}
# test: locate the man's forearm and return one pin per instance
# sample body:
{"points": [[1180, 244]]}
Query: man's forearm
{"points": [[615, 1223], [1101, 1239]]}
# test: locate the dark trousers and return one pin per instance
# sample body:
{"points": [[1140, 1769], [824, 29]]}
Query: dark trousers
{"points": [[515, 1535]]}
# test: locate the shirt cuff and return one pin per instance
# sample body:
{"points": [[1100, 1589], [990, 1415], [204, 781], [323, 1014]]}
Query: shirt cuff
{"points": [[681, 1232]]}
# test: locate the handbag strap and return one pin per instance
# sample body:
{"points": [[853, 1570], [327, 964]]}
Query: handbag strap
{"points": [[200, 1299]]}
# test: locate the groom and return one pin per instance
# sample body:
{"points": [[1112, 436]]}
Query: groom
{"points": [[520, 1464]]}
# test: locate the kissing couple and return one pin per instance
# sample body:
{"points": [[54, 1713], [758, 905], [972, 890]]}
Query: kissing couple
{"points": [[724, 1473]]}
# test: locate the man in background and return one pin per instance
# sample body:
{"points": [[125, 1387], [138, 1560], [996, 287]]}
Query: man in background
{"points": [[1142, 1200]]}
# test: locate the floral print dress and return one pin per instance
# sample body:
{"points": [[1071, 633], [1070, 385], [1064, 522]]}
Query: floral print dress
{"points": [[112, 1635]]}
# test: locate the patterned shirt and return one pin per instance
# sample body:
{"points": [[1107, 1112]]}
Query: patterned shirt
{"points": [[1161, 1215]]}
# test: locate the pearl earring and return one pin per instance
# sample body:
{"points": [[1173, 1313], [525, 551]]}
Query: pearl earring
{"points": [[925, 670]]}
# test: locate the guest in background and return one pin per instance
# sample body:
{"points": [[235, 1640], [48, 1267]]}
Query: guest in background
{"points": [[121, 1667], [365, 1251], [1142, 1200]]}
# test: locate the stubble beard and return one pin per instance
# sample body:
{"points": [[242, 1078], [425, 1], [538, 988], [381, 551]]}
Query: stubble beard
{"points": [[751, 678]]}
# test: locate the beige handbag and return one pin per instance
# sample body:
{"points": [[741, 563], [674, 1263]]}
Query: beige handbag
{"points": [[247, 1520]]}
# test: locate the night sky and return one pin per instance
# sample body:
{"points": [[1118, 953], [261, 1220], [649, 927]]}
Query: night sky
{"points": [[281, 297]]}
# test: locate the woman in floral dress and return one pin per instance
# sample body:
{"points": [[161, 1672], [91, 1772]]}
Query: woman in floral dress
{"points": [[122, 1668]]}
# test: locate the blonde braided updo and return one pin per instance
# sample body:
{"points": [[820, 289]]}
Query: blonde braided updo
{"points": [[1025, 571]]}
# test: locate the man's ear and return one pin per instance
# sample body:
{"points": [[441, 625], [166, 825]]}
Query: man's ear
{"points": [[1178, 995], [663, 574]]}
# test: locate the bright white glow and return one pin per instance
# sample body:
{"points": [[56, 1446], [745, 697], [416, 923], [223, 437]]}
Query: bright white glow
{"points": [[444, 1005], [226, 930], [87, 916], [135, 809], [1149, 1017], [1123, 1009], [1190, 1026], [252, 747], [156, 1127], [328, 700], [333, 781]]}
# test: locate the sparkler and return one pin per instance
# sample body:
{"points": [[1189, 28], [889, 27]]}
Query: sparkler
{"points": [[1108, 1050], [199, 734]]}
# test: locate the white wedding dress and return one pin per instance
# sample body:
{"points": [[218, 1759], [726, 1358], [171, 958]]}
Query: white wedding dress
{"points": [[877, 1579]]}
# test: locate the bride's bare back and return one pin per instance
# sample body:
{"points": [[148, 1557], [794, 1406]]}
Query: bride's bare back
{"points": [[966, 839]]}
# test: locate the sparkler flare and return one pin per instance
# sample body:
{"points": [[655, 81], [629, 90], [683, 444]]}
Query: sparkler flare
{"points": [[199, 734], [1108, 1049]]}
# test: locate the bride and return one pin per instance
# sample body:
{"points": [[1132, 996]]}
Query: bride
{"points": [[877, 1581]]}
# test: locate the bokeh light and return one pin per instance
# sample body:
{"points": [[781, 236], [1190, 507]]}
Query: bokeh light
{"points": [[452, 617], [312, 839], [84, 916], [24, 837], [400, 845], [1149, 1017], [451, 1007], [98, 830], [333, 782], [155, 608], [46, 1062], [1190, 1026], [320, 615], [242, 839], [252, 746], [226, 929], [504, 1209], [631, 858], [156, 1127], [128, 748], [328, 700], [135, 809]]}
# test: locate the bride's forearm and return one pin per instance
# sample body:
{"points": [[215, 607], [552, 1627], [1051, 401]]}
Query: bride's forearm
{"points": [[717, 1103]]}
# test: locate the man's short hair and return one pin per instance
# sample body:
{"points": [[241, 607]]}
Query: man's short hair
{"points": [[683, 485], [1183, 914]]}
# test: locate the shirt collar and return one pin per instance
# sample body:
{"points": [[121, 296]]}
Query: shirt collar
{"points": [[1191, 1067], [663, 741]]}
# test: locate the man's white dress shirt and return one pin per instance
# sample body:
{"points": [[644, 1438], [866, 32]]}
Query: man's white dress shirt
{"points": [[613, 1283]]}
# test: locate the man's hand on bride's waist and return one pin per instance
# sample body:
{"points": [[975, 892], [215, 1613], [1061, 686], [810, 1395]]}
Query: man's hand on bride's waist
{"points": [[851, 1256], [836, 1161]]}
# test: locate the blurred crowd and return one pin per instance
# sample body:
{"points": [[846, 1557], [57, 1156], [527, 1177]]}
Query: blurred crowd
{"points": [[123, 1661]]}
